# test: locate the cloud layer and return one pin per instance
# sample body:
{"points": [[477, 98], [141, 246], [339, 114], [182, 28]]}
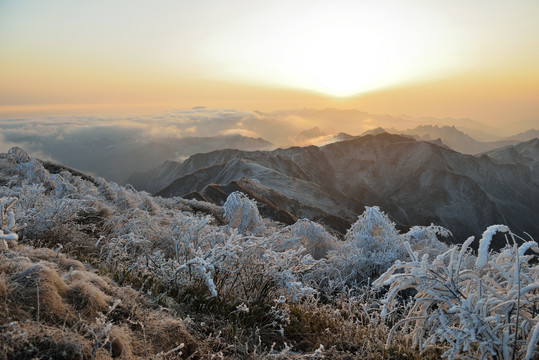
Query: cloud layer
{"points": [[115, 147]]}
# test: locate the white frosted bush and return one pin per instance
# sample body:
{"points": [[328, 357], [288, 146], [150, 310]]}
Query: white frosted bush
{"points": [[233, 266], [242, 214], [424, 239], [370, 247], [8, 235], [313, 237], [482, 310]]}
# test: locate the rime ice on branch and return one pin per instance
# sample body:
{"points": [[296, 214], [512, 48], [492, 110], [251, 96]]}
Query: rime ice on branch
{"points": [[242, 214], [7, 220]]}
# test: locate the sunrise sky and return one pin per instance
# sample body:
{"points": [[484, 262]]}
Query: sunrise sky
{"points": [[464, 59]]}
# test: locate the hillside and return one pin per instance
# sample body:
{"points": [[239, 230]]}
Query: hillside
{"points": [[93, 270], [415, 182]]}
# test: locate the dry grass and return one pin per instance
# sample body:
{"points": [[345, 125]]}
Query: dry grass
{"points": [[121, 342], [53, 308], [348, 329], [61, 260], [25, 340], [3, 286], [87, 299], [38, 290]]}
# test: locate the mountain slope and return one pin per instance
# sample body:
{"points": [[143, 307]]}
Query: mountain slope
{"points": [[155, 178], [526, 153], [416, 182]]}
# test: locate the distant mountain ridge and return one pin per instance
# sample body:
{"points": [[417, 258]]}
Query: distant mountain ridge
{"points": [[525, 136], [449, 136], [456, 139], [416, 182], [526, 153]]}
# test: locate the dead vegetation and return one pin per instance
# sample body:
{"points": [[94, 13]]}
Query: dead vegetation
{"points": [[53, 308]]}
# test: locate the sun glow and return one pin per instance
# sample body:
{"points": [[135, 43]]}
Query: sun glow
{"points": [[455, 58], [340, 51]]}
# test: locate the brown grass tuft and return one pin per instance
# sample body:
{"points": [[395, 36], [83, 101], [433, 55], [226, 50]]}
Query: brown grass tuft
{"points": [[50, 309], [15, 264], [166, 333], [3, 286], [104, 284], [52, 256], [129, 294], [120, 342], [70, 264], [42, 254], [87, 299], [40, 289], [19, 339]]}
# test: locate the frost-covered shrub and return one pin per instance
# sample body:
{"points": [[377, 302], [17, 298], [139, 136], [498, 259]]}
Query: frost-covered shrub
{"points": [[7, 220], [232, 266], [242, 214], [370, 247], [8, 235], [190, 251], [424, 239], [313, 237], [487, 308]]}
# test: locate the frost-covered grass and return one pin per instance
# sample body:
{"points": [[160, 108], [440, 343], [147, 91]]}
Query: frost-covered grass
{"points": [[248, 287], [485, 306]]}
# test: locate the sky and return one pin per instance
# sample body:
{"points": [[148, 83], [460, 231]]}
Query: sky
{"points": [[463, 59]]}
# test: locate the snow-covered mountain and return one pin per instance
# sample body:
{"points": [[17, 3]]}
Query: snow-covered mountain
{"points": [[416, 182]]}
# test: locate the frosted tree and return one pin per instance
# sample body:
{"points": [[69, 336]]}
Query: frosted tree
{"points": [[242, 214]]}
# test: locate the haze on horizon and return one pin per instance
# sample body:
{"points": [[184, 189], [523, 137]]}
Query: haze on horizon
{"points": [[461, 59]]}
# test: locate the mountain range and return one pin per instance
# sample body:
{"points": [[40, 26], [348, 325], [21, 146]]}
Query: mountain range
{"points": [[449, 136], [461, 142], [414, 181]]}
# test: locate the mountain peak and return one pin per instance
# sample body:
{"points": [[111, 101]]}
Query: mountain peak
{"points": [[376, 131], [312, 132]]}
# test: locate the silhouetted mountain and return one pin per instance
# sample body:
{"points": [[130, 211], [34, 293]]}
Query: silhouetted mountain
{"points": [[376, 131], [329, 139], [416, 182], [456, 139], [525, 136], [310, 133]]}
